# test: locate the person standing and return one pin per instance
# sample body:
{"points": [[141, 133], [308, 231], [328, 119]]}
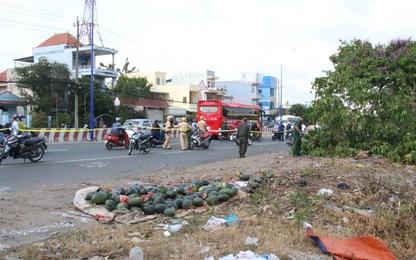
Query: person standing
{"points": [[297, 136], [243, 133], [202, 125], [168, 132], [101, 123], [189, 133], [281, 131], [184, 127]]}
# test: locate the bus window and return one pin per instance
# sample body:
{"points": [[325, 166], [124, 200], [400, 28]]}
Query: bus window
{"points": [[208, 109]]}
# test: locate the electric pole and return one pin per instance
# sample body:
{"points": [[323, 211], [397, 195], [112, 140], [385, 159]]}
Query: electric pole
{"points": [[76, 79]]}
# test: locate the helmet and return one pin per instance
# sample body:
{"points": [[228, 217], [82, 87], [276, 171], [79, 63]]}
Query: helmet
{"points": [[16, 116], [21, 116], [118, 118]]}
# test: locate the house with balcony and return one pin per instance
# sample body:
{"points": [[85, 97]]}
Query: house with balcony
{"points": [[62, 48], [208, 89]]}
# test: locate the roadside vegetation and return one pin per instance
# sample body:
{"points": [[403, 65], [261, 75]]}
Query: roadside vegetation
{"points": [[378, 199]]}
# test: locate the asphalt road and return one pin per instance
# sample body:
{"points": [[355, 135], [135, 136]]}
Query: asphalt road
{"points": [[91, 162]]}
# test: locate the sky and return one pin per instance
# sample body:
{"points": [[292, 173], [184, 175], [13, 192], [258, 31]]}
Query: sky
{"points": [[290, 40]]}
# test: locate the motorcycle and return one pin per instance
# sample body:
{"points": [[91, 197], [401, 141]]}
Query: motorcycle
{"points": [[113, 140], [224, 135], [33, 134], [32, 149], [255, 136], [237, 142], [200, 139], [158, 141], [140, 142], [278, 136]]}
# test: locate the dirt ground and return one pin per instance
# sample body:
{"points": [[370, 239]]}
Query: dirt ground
{"points": [[39, 214]]}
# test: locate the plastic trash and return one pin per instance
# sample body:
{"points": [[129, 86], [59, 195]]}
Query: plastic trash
{"points": [[252, 241], [136, 253], [213, 221], [232, 219], [327, 192], [173, 228]]}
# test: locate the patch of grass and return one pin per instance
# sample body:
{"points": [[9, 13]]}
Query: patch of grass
{"points": [[384, 191]]}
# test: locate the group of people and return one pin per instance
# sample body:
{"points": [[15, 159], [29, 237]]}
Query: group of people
{"points": [[18, 128], [185, 131]]}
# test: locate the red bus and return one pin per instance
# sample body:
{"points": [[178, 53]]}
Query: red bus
{"points": [[216, 111]]}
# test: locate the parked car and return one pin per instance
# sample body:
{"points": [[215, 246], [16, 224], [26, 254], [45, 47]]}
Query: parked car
{"points": [[144, 125]]}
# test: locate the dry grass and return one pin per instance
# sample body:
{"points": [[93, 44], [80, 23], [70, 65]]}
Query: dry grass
{"points": [[375, 184]]}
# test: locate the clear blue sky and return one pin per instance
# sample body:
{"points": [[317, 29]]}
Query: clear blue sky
{"points": [[230, 37]]}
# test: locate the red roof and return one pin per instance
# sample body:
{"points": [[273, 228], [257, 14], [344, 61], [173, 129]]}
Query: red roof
{"points": [[3, 76], [60, 38], [146, 102]]}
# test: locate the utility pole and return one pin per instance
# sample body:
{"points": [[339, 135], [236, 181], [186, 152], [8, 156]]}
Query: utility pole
{"points": [[76, 79], [281, 93]]}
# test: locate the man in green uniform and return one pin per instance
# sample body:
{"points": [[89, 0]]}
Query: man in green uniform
{"points": [[189, 134], [297, 135], [243, 133]]}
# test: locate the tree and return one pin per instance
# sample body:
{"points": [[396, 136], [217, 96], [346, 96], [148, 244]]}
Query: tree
{"points": [[367, 101], [298, 110], [125, 70], [103, 100], [44, 84], [131, 88]]}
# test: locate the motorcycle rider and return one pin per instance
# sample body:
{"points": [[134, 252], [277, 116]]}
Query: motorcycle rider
{"points": [[225, 129], [157, 131], [255, 129], [202, 126], [117, 129], [18, 126]]}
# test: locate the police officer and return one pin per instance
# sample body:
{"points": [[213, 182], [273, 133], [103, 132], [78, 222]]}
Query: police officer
{"points": [[243, 133], [168, 132], [184, 127]]}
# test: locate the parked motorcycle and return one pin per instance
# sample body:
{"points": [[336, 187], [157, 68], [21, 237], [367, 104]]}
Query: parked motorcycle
{"points": [[113, 140], [200, 139], [32, 149], [140, 142]]}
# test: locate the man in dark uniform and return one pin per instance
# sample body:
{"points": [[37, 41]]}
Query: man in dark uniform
{"points": [[189, 134], [297, 135], [243, 133]]}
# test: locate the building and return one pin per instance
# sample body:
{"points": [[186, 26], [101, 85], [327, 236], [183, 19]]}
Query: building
{"points": [[269, 100], [64, 47], [247, 90], [182, 92]]}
